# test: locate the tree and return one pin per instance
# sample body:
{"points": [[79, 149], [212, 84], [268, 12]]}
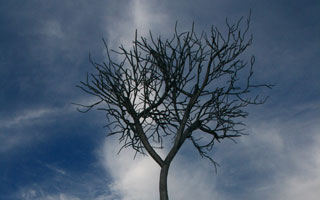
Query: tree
{"points": [[189, 86]]}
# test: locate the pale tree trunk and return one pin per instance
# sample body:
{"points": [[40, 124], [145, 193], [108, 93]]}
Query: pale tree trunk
{"points": [[163, 187]]}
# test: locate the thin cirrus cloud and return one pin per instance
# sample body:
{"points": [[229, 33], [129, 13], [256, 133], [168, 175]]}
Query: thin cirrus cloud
{"points": [[11, 140]]}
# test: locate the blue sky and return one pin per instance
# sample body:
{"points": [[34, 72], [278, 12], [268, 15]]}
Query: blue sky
{"points": [[50, 151]]}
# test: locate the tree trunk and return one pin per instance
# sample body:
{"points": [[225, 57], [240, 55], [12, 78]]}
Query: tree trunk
{"points": [[163, 187]]}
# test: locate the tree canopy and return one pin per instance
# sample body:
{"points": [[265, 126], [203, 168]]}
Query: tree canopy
{"points": [[191, 86]]}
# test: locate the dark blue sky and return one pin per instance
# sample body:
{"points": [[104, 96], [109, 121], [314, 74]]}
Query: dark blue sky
{"points": [[50, 151]]}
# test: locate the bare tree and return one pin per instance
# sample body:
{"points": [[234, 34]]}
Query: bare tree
{"points": [[190, 86]]}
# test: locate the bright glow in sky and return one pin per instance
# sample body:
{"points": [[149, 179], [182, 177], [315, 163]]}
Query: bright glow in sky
{"points": [[49, 151]]}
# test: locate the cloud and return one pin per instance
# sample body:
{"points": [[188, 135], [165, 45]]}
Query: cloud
{"points": [[132, 179], [278, 160], [266, 164], [137, 179], [141, 16], [281, 156], [304, 180], [67, 185], [40, 195], [56, 169], [23, 127], [36, 195], [26, 117], [13, 128]]}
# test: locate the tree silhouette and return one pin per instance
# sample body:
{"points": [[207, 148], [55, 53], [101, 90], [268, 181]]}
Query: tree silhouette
{"points": [[191, 86]]}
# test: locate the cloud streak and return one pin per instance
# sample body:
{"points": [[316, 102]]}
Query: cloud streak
{"points": [[10, 139], [141, 16]]}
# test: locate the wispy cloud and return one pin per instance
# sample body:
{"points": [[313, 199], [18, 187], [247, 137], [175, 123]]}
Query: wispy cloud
{"points": [[13, 128], [67, 185], [140, 16], [26, 117], [22, 127], [38, 195], [301, 179]]}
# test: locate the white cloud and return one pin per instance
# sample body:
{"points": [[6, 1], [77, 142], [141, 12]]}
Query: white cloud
{"points": [[287, 168], [33, 194], [18, 130], [133, 179], [138, 179], [10, 139], [146, 17], [274, 162], [142, 16], [25, 117], [67, 186], [56, 169], [192, 180], [304, 181], [287, 150]]}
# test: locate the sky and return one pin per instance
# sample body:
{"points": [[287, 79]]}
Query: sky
{"points": [[49, 151]]}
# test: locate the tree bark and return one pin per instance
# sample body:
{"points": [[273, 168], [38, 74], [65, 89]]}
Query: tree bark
{"points": [[163, 187]]}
